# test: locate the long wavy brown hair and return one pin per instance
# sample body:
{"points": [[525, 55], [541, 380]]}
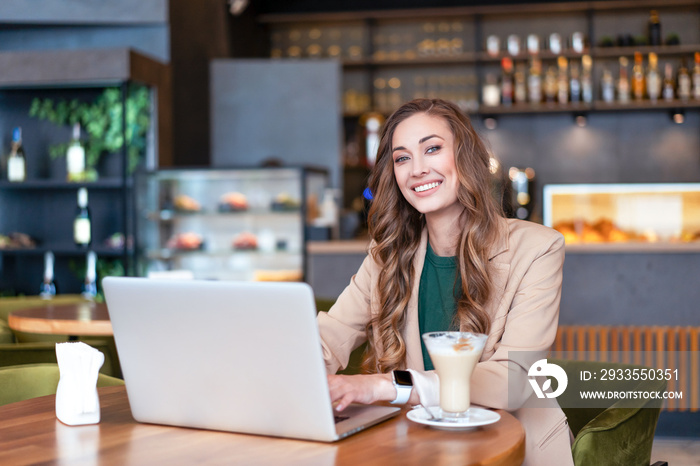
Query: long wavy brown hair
{"points": [[396, 226]]}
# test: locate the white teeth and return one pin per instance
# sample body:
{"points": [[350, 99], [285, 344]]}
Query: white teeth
{"points": [[425, 187]]}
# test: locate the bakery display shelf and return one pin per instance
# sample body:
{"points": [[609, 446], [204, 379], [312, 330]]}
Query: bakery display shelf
{"points": [[634, 247], [173, 215], [165, 254]]}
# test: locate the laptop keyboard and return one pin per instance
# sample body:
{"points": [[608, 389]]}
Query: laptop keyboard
{"points": [[340, 418]]}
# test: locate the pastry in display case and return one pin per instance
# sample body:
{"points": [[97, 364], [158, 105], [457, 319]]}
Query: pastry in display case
{"points": [[227, 224], [245, 241], [233, 202], [184, 203], [621, 213]]}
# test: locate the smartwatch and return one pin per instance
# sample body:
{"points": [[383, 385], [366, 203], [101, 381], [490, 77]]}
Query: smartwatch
{"points": [[404, 384]]}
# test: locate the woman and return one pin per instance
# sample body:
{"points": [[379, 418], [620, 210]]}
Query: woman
{"points": [[443, 257]]}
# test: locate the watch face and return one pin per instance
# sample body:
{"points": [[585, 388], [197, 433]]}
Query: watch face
{"points": [[403, 378]]}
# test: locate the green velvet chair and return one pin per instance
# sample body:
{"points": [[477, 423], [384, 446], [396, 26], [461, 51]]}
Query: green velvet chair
{"points": [[621, 433], [15, 354], [27, 381]]}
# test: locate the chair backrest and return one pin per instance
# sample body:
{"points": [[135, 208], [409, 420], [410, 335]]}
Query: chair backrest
{"points": [[620, 432], [16, 354], [32, 380]]}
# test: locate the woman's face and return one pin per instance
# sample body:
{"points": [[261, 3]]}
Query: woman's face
{"points": [[424, 165]]}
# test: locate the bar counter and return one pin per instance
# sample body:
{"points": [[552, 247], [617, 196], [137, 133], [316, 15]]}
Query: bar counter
{"points": [[605, 283]]}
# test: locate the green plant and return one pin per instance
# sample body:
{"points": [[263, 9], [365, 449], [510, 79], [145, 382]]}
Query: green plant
{"points": [[104, 268], [102, 121]]}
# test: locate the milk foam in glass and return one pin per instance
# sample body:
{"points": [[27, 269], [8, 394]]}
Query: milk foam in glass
{"points": [[454, 355]]}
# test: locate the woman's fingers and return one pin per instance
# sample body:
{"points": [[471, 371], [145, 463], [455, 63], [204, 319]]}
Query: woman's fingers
{"points": [[346, 389]]}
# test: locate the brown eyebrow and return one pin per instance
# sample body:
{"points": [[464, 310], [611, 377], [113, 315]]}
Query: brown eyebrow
{"points": [[428, 137], [420, 141]]}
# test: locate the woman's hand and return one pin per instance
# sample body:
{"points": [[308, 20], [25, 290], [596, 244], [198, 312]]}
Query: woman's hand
{"points": [[363, 388]]}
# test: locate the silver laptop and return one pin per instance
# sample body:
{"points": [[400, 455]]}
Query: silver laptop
{"points": [[231, 356]]}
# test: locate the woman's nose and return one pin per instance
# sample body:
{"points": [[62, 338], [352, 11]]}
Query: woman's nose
{"points": [[419, 167]]}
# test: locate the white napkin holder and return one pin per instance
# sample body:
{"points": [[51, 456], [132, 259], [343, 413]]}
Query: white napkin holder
{"points": [[77, 402]]}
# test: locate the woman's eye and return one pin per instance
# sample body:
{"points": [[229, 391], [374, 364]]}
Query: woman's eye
{"points": [[433, 149], [400, 159]]}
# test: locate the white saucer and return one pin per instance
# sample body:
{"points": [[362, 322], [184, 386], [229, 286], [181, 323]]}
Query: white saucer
{"points": [[477, 417]]}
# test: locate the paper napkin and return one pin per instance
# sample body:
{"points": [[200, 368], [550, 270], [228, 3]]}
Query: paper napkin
{"points": [[76, 396]]}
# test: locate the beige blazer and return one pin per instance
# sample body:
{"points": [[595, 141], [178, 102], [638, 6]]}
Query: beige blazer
{"points": [[525, 266]]}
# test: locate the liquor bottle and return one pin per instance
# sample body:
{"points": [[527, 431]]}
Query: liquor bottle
{"points": [[534, 82], [654, 28], [696, 76], [683, 82], [607, 86], [668, 91], [507, 85], [555, 43], [550, 85], [563, 84], [90, 285], [48, 288], [16, 167], [653, 78], [575, 83], [371, 122], [75, 157], [623, 83], [533, 44], [513, 45], [82, 226], [638, 82], [491, 93], [587, 79], [520, 90]]}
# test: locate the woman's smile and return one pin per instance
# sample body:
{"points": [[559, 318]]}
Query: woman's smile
{"points": [[427, 188]]}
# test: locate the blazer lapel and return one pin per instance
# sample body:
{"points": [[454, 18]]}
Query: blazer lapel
{"points": [[412, 337]]}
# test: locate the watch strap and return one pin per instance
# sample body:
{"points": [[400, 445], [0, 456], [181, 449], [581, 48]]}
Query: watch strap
{"points": [[403, 390]]}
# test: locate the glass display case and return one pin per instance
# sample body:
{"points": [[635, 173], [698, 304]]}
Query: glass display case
{"points": [[618, 213], [228, 224]]}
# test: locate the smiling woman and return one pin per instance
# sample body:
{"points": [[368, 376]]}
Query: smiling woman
{"points": [[424, 167], [443, 257]]}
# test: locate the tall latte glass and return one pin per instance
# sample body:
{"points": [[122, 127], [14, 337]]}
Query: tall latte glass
{"points": [[454, 355]]}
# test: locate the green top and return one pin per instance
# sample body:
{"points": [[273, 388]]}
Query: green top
{"points": [[440, 287]]}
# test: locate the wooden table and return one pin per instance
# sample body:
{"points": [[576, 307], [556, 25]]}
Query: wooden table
{"points": [[89, 319], [30, 434]]}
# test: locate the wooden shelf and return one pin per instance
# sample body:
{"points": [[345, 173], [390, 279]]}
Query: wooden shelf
{"points": [[63, 250], [464, 58], [596, 106], [78, 68], [49, 184], [615, 52], [517, 109], [543, 55], [601, 106], [467, 11], [471, 58]]}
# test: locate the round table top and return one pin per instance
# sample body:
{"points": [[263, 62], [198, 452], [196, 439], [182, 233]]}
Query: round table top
{"points": [[119, 439], [84, 318]]}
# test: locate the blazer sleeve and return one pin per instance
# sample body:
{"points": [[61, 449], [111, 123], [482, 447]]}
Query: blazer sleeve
{"points": [[530, 328], [342, 328]]}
